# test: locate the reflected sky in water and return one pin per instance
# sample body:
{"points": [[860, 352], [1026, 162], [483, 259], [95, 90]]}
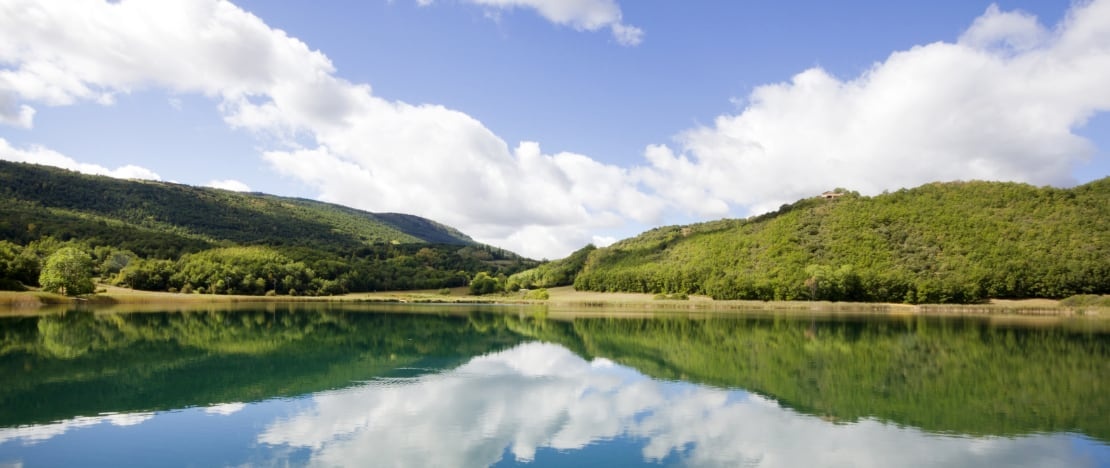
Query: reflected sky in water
{"points": [[535, 404]]}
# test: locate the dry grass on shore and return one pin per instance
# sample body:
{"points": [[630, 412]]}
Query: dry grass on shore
{"points": [[562, 298]]}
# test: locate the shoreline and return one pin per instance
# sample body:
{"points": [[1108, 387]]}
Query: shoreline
{"points": [[562, 299]]}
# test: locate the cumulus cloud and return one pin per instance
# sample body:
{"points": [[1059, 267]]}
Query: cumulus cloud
{"points": [[48, 157], [1002, 103], [229, 184], [64, 52], [541, 395]]}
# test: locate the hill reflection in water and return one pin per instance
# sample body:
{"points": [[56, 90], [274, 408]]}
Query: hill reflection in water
{"points": [[457, 387]]}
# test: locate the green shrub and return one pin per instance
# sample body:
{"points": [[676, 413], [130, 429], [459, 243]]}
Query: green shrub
{"points": [[537, 294], [1086, 300]]}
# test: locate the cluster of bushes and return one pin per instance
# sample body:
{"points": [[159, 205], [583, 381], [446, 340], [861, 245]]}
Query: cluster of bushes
{"points": [[258, 270], [231, 270], [485, 283], [66, 267], [264, 270]]}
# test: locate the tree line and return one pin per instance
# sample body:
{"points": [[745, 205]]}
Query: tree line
{"points": [[68, 267]]}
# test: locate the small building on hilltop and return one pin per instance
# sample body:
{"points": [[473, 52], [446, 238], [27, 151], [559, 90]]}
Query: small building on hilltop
{"points": [[831, 195]]}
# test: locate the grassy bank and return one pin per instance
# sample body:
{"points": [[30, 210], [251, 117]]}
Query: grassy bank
{"points": [[566, 298]]}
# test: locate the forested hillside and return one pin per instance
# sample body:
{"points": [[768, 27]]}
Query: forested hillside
{"points": [[163, 236], [550, 274], [941, 242], [161, 219]]}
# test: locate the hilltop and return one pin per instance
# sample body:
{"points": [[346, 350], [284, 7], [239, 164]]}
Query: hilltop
{"points": [[160, 236], [941, 242]]}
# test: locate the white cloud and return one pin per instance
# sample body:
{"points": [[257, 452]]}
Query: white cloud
{"points": [[229, 184], [583, 15], [1001, 104], [13, 113], [1015, 30], [603, 241], [65, 52], [627, 35], [48, 157], [538, 396]]}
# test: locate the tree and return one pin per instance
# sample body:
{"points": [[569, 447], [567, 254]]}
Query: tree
{"points": [[483, 284], [67, 271]]}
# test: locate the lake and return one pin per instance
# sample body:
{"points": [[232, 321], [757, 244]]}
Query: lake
{"points": [[372, 385]]}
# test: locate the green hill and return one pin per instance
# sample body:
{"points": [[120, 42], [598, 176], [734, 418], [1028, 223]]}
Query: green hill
{"points": [[39, 200], [155, 227], [941, 242]]}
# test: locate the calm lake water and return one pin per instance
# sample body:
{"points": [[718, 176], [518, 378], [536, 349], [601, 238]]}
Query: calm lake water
{"points": [[330, 385]]}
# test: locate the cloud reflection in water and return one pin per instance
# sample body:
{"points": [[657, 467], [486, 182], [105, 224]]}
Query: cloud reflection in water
{"points": [[540, 395]]}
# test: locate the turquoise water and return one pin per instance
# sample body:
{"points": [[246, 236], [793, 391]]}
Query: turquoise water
{"points": [[357, 386]]}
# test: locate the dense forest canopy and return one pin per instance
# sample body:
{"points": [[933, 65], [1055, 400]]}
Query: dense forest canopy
{"points": [[941, 242], [170, 237]]}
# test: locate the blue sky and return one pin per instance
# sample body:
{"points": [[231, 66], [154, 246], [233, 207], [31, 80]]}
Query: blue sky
{"points": [[541, 125]]}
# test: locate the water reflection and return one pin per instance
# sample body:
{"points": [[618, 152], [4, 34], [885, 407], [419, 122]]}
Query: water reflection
{"points": [[541, 396], [324, 385], [42, 432]]}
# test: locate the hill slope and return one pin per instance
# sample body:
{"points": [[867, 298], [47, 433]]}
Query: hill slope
{"points": [[37, 201], [941, 242], [162, 236]]}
